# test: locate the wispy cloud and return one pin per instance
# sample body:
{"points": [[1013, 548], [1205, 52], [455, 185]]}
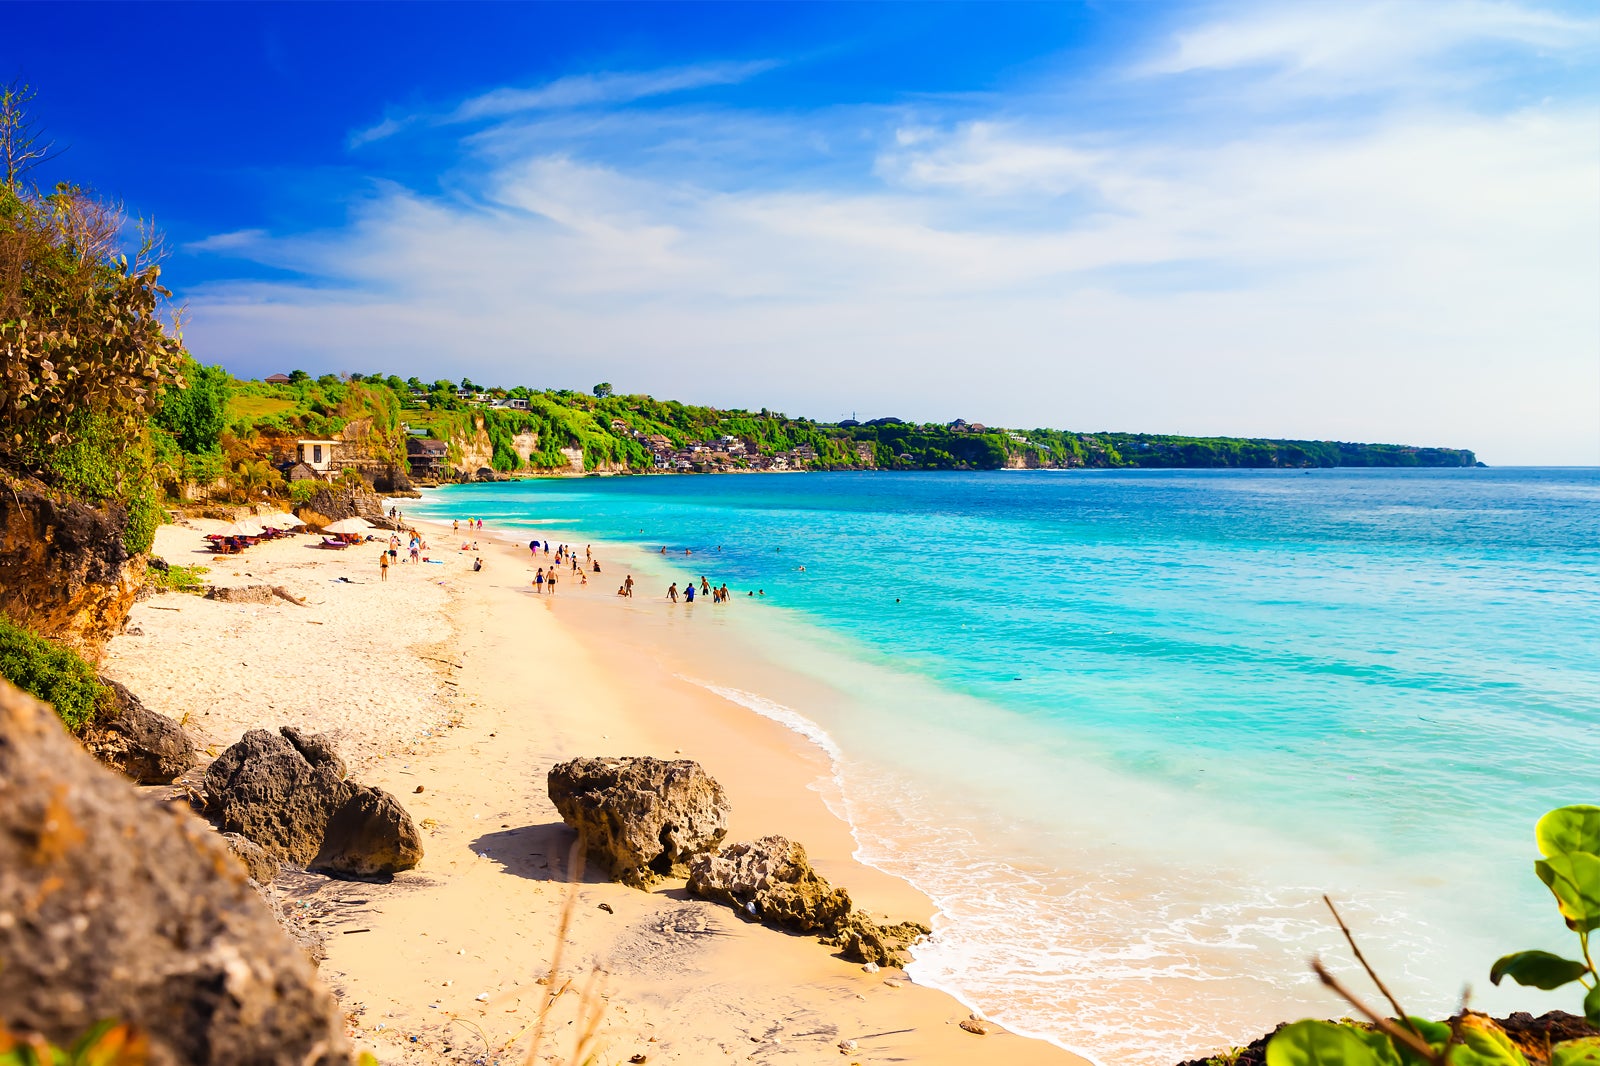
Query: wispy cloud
{"points": [[574, 91], [1324, 48], [1424, 274]]}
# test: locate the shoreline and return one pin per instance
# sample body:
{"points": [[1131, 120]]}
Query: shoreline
{"points": [[517, 684]]}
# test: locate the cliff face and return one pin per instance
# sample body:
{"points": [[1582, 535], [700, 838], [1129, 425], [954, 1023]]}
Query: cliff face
{"points": [[64, 572]]}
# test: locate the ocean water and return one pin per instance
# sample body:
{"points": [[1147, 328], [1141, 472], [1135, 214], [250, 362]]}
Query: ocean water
{"points": [[1126, 728]]}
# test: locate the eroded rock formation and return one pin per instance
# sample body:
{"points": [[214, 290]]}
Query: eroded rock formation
{"points": [[64, 571], [286, 792], [113, 907], [139, 743], [641, 818], [771, 879]]}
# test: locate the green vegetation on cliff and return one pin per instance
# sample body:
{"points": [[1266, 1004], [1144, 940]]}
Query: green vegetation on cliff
{"points": [[52, 674], [526, 429]]}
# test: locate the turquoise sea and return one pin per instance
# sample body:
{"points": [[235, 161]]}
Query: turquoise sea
{"points": [[1126, 727]]}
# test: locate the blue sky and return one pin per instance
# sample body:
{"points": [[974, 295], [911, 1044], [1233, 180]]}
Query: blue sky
{"points": [[1358, 220]]}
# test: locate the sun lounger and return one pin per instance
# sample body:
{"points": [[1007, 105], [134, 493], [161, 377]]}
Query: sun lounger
{"points": [[329, 542]]}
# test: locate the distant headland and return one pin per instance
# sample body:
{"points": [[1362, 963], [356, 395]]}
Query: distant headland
{"points": [[447, 431]]}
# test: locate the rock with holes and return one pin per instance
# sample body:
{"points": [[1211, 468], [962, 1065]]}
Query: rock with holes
{"points": [[279, 790], [112, 906], [772, 879], [286, 792], [641, 818]]}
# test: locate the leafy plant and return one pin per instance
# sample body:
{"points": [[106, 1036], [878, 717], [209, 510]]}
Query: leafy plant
{"points": [[1569, 840], [178, 578], [54, 674], [105, 1044]]}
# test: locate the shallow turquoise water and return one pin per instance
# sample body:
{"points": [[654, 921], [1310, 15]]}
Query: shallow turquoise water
{"points": [[1134, 722]]}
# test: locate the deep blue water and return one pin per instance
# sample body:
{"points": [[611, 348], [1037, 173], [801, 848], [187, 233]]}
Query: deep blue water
{"points": [[1373, 681]]}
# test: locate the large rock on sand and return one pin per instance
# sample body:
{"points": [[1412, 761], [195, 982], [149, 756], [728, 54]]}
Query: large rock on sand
{"points": [[641, 818], [147, 747], [369, 835], [772, 880], [114, 907], [287, 793]]}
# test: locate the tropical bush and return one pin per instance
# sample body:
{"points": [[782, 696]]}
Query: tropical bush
{"points": [[1568, 838], [54, 674]]}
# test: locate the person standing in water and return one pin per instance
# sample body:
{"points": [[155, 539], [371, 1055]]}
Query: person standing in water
{"points": [[672, 592], [688, 592]]}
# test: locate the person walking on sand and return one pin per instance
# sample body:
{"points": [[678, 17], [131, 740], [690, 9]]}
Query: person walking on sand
{"points": [[383, 566], [627, 584], [672, 592], [538, 581], [550, 581]]}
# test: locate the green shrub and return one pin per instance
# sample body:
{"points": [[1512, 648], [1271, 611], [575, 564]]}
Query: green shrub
{"points": [[178, 578], [53, 674]]}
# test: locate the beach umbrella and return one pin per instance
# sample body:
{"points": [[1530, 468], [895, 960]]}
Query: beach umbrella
{"points": [[348, 525], [279, 520], [245, 527]]}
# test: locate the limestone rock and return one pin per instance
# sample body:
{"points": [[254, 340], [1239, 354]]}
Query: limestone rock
{"points": [[147, 747], [287, 794], [261, 867], [65, 573], [370, 835], [774, 874], [113, 907], [862, 938], [251, 594], [279, 791], [641, 818]]}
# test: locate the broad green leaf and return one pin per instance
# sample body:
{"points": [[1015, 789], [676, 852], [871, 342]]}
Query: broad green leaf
{"points": [[1585, 1052], [1483, 1043], [1432, 1032], [1382, 1048], [1537, 969], [1575, 828], [1574, 879], [1591, 1005], [1312, 1043]]}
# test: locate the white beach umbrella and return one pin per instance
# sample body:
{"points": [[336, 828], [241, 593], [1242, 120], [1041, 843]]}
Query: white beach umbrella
{"points": [[279, 520], [348, 525], [245, 527]]}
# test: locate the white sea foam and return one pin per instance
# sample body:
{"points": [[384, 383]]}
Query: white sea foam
{"points": [[1105, 955]]}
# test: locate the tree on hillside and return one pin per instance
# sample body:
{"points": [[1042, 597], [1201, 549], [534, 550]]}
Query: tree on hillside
{"points": [[298, 377], [603, 389]]}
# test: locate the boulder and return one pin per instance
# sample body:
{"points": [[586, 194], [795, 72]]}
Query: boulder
{"points": [[862, 938], [147, 747], [370, 835], [642, 819], [287, 794], [771, 879], [115, 907], [279, 791]]}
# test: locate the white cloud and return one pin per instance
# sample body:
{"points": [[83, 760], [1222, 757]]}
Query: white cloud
{"points": [[1328, 47], [574, 91], [1426, 275], [583, 90]]}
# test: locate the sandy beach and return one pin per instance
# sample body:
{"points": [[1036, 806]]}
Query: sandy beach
{"points": [[457, 691]]}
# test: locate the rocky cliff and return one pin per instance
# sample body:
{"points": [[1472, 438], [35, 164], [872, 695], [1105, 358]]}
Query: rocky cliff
{"points": [[64, 571]]}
